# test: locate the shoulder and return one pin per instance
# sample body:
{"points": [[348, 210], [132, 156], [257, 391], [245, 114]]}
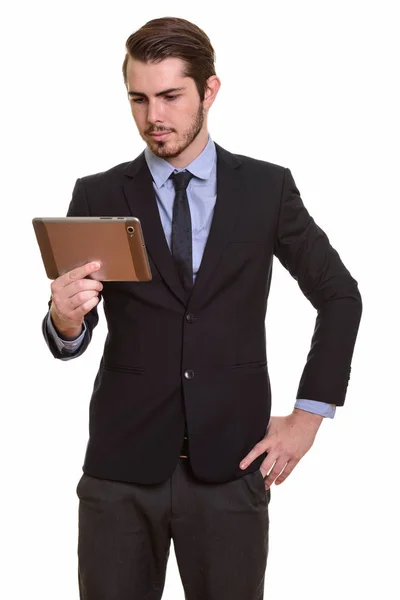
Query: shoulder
{"points": [[113, 175], [265, 165], [259, 174], [252, 164]]}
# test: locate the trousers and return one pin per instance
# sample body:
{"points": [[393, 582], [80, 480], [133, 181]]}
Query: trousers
{"points": [[219, 532]]}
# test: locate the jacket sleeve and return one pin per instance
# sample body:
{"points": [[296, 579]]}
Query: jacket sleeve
{"points": [[78, 208], [304, 250]]}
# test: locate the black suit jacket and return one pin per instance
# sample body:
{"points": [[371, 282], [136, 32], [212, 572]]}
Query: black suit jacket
{"points": [[203, 357]]}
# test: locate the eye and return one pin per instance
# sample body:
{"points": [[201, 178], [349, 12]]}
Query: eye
{"points": [[170, 97], [137, 100]]}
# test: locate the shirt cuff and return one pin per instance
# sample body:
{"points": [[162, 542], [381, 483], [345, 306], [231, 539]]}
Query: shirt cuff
{"points": [[69, 345], [319, 408]]}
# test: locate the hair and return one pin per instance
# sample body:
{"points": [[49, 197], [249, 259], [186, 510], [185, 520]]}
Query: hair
{"points": [[173, 37]]}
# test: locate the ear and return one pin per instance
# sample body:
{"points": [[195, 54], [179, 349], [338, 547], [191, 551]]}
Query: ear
{"points": [[213, 84]]}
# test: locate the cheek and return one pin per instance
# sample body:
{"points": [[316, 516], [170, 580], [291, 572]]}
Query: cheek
{"points": [[182, 116], [137, 117]]}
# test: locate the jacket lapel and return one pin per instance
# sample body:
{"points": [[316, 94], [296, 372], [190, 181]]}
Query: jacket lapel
{"points": [[230, 194], [141, 199]]}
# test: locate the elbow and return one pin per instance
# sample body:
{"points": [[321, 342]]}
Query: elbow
{"points": [[343, 293]]}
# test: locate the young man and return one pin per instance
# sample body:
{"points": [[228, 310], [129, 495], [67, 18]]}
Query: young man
{"points": [[181, 444]]}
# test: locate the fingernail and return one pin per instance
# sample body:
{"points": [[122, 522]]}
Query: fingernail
{"points": [[243, 465]]}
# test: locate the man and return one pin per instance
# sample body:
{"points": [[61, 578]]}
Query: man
{"points": [[181, 444]]}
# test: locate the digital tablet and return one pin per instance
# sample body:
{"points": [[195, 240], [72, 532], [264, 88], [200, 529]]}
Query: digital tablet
{"points": [[116, 242]]}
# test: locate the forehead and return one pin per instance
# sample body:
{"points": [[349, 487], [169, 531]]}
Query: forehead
{"points": [[151, 77]]}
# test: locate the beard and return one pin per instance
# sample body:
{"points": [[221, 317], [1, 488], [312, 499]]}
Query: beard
{"points": [[172, 150]]}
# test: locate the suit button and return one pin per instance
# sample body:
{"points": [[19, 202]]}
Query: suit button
{"points": [[190, 318], [189, 374]]}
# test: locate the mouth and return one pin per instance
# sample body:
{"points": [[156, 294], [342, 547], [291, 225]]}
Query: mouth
{"points": [[161, 135]]}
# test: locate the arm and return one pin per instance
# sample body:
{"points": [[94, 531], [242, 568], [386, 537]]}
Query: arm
{"points": [[305, 251], [54, 337]]}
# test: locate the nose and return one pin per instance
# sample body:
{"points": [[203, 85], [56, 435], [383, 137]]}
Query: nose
{"points": [[154, 113]]}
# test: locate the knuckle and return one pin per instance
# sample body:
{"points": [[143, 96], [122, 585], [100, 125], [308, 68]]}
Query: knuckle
{"points": [[82, 297], [80, 310], [56, 298]]}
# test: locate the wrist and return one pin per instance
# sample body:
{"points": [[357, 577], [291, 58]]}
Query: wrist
{"points": [[307, 417], [64, 330]]}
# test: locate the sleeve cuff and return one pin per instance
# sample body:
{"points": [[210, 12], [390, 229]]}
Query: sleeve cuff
{"points": [[69, 345], [319, 408]]}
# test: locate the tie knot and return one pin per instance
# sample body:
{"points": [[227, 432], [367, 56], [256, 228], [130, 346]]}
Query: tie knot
{"points": [[181, 180]]}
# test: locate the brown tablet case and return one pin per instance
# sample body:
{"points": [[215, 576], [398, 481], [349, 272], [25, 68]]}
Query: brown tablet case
{"points": [[116, 242]]}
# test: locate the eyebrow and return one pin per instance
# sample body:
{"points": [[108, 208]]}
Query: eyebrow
{"points": [[163, 93]]}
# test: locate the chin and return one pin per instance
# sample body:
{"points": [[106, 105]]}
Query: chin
{"points": [[165, 149]]}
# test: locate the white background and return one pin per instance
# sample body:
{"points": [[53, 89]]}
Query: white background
{"points": [[308, 85]]}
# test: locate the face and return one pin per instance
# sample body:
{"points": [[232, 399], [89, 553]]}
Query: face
{"points": [[166, 107]]}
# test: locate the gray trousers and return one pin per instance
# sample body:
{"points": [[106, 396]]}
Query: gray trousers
{"points": [[219, 530]]}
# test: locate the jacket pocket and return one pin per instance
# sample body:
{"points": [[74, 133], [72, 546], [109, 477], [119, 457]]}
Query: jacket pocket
{"points": [[260, 364], [137, 370]]}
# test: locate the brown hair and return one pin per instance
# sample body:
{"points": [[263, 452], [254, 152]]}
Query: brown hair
{"points": [[172, 37]]}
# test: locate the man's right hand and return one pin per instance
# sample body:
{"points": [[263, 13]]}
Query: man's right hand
{"points": [[73, 297]]}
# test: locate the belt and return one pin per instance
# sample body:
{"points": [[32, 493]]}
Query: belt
{"points": [[185, 448]]}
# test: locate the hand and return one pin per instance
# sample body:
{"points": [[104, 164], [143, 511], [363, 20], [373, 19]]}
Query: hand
{"points": [[287, 441], [73, 297]]}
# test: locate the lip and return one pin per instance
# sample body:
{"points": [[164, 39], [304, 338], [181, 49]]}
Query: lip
{"points": [[160, 136]]}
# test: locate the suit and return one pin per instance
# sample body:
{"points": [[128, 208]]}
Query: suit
{"points": [[170, 357]]}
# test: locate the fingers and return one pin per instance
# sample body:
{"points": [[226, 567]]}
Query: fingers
{"points": [[254, 453], [83, 309], [74, 275], [286, 472], [276, 467], [286, 442], [80, 286], [77, 314], [280, 471], [77, 293], [74, 295], [274, 472], [80, 299]]}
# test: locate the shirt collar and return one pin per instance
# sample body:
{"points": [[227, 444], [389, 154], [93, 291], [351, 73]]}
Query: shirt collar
{"points": [[200, 167]]}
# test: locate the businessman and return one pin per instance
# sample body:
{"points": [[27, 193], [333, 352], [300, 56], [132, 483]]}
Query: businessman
{"points": [[181, 444]]}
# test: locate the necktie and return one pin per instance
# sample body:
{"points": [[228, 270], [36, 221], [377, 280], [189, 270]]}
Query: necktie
{"points": [[181, 240]]}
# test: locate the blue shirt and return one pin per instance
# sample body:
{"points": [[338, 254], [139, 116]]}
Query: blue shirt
{"points": [[202, 195]]}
